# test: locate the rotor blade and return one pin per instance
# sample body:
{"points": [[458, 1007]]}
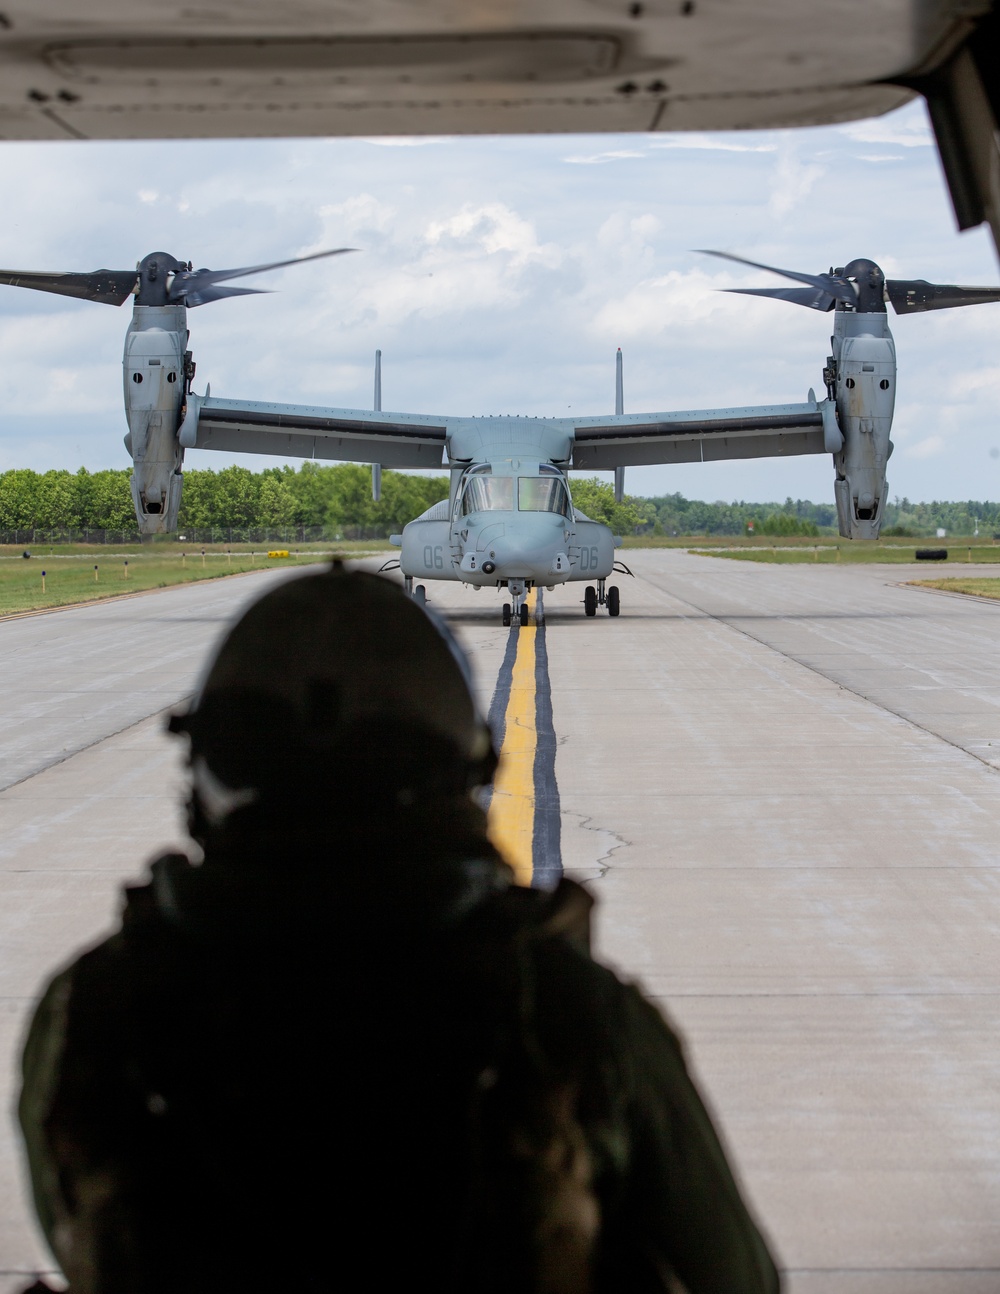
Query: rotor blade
{"points": [[909, 296], [814, 298], [109, 287], [832, 284], [187, 281], [198, 296]]}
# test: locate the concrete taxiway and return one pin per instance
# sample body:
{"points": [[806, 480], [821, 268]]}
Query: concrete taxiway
{"points": [[782, 783]]}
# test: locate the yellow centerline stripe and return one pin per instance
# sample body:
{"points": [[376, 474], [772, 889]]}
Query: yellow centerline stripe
{"points": [[512, 810]]}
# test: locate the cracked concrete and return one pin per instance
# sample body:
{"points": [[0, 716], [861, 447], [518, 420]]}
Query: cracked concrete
{"points": [[811, 890], [774, 779], [588, 850]]}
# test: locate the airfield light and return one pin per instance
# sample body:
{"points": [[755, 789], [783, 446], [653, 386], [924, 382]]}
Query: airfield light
{"points": [[95, 572], [43, 581]]}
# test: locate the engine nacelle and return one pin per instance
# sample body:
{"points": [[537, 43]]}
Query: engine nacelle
{"points": [[591, 550], [865, 394], [425, 552], [154, 395]]}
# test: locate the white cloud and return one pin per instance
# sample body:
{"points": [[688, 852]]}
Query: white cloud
{"points": [[926, 448], [493, 228], [495, 278], [793, 181], [599, 159], [406, 141], [711, 143], [908, 128]]}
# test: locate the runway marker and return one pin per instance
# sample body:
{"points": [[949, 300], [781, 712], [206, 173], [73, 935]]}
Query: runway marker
{"points": [[524, 810]]}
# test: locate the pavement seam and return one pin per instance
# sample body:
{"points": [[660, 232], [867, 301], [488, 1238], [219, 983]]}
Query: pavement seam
{"points": [[878, 705], [71, 754]]}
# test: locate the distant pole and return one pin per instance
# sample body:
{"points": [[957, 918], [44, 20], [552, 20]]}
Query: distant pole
{"points": [[203, 557], [43, 581], [377, 406], [184, 559], [95, 572], [229, 554], [619, 410], [126, 569]]}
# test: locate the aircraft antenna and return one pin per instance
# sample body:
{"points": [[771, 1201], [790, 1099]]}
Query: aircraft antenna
{"points": [[619, 409], [377, 406]]}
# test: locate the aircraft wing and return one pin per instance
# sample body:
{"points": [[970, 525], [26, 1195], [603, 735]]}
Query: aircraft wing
{"points": [[304, 431], [707, 435]]}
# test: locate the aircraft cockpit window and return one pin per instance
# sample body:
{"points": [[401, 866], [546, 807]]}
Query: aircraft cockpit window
{"points": [[542, 494], [488, 494]]}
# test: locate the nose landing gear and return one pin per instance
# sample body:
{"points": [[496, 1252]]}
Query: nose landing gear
{"points": [[517, 608]]}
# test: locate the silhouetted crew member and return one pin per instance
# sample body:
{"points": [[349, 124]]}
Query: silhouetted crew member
{"points": [[343, 1051]]}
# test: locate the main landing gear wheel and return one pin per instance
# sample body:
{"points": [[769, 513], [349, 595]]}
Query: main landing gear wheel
{"points": [[524, 615], [614, 601], [506, 615], [420, 595], [590, 601]]}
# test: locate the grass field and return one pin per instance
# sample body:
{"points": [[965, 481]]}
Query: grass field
{"points": [[853, 551], [70, 575], [982, 588]]}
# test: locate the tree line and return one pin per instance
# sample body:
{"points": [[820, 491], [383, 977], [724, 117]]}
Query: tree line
{"points": [[335, 502]]}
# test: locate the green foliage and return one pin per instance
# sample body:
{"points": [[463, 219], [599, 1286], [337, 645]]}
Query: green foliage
{"points": [[597, 499], [64, 500], [955, 518], [782, 523], [676, 515], [233, 499], [337, 499]]}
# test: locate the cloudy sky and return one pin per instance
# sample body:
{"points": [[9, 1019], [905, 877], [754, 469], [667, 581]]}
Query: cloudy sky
{"points": [[498, 276]]}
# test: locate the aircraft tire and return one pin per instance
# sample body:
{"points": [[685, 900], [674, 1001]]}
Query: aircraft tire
{"points": [[590, 601], [614, 601], [524, 615], [506, 615], [420, 595]]}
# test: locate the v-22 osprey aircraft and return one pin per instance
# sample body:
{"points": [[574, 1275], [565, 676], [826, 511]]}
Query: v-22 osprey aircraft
{"points": [[508, 522]]}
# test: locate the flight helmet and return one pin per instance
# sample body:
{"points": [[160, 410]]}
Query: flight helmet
{"points": [[334, 684]]}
